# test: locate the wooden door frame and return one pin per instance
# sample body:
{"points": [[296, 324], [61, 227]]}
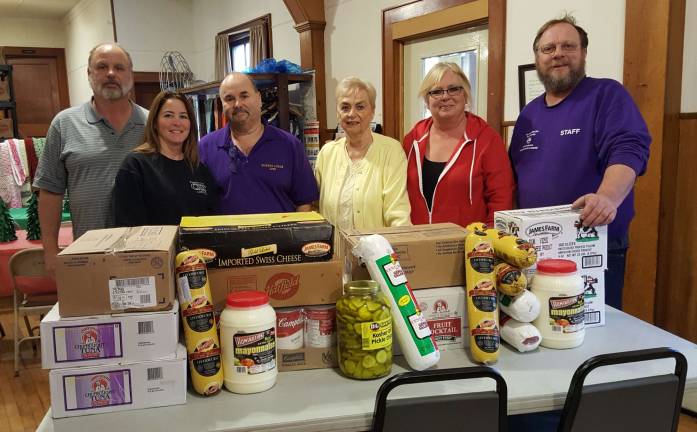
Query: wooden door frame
{"points": [[11, 52], [417, 13]]}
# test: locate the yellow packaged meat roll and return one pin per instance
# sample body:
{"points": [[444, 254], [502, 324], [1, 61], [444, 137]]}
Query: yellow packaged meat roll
{"points": [[198, 317], [509, 279], [482, 304], [512, 249]]}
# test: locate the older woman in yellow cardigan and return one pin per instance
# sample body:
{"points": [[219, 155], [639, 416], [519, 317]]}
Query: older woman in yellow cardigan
{"points": [[361, 177]]}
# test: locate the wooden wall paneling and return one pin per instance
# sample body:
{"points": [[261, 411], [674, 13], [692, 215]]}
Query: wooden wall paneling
{"points": [[421, 26], [58, 54], [647, 70], [310, 22], [676, 299], [672, 283]]}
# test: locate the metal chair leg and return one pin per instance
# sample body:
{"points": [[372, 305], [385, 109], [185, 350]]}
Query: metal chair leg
{"points": [[16, 333]]}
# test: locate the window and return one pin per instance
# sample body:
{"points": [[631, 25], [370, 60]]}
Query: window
{"points": [[239, 51], [248, 43]]}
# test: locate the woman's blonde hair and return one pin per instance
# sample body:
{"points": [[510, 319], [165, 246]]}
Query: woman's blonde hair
{"points": [[351, 85], [436, 73], [151, 142]]}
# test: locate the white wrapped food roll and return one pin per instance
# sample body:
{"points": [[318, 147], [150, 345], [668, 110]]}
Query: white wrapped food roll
{"points": [[524, 307], [413, 333], [522, 336]]}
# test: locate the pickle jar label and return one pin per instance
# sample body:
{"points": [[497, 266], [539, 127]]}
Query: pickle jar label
{"points": [[376, 334]]}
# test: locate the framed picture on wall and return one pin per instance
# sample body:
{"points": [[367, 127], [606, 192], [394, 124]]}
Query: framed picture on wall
{"points": [[529, 85]]}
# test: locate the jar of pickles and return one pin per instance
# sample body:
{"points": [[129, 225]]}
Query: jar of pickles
{"points": [[364, 326]]}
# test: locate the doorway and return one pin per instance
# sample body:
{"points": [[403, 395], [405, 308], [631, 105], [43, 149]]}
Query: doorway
{"points": [[40, 87], [468, 48]]}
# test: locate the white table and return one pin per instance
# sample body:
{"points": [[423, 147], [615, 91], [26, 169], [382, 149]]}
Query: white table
{"points": [[322, 400]]}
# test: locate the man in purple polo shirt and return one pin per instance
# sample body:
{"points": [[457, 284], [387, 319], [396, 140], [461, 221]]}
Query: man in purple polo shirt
{"points": [[258, 168], [583, 141]]}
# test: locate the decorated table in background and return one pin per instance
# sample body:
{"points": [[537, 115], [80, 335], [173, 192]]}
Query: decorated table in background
{"points": [[65, 237]]}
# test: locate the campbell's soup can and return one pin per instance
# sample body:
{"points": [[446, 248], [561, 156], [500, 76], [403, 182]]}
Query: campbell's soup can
{"points": [[320, 326], [290, 328]]}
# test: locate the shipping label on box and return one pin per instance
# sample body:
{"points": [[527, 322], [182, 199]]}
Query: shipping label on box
{"points": [[286, 285], [104, 339], [430, 255], [118, 387], [118, 269], [255, 240], [594, 296], [445, 311], [556, 232]]}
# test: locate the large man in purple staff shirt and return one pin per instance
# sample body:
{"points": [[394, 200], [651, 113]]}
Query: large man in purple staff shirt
{"points": [[583, 141], [258, 168]]}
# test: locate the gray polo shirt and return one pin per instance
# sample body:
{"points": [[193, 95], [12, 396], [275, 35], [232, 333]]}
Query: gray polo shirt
{"points": [[82, 155]]}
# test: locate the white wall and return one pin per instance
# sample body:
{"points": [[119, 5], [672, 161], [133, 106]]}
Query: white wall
{"points": [[213, 16], [689, 65], [603, 20], [353, 47], [86, 25], [147, 29], [25, 32]]}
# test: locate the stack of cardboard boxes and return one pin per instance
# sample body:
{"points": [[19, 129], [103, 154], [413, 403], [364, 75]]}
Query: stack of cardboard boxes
{"points": [[112, 341], [290, 256]]}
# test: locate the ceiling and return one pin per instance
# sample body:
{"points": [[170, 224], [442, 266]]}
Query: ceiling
{"points": [[39, 9]]}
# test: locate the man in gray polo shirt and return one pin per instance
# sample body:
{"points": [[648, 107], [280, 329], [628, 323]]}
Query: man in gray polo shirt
{"points": [[85, 146]]}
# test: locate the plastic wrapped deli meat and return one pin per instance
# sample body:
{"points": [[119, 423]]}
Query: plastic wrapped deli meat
{"points": [[409, 325]]}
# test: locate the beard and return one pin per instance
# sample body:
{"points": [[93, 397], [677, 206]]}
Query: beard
{"points": [[564, 83], [111, 93]]}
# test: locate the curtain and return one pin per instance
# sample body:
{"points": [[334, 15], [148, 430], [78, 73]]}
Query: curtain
{"points": [[222, 56], [257, 44]]}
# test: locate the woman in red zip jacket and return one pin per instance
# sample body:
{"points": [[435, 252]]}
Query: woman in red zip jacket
{"points": [[458, 168]]}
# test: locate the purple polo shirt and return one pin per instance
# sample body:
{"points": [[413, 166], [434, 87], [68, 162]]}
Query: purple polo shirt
{"points": [[276, 176], [560, 153]]}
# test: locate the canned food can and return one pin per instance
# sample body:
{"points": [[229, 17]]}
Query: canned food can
{"points": [[290, 323], [320, 326]]}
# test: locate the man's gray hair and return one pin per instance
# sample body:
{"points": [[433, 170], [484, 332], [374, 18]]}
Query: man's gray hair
{"points": [[93, 50]]}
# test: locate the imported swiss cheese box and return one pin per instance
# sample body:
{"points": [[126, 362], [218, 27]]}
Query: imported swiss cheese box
{"points": [[102, 339], [258, 239], [116, 270], [431, 255]]}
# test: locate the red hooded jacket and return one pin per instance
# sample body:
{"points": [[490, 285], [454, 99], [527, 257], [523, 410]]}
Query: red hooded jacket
{"points": [[477, 179]]}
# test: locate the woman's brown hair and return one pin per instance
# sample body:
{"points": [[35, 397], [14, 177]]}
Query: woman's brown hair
{"points": [[151, 143]]}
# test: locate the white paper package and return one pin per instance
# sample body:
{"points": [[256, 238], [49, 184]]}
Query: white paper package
{"points": [[412, 330]]}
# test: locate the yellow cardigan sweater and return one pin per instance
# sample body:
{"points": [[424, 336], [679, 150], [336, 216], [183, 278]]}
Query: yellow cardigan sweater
{"points": [[380, 195]]}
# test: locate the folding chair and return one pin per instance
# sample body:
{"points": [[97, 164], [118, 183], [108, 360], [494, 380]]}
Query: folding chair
{"points": [[34, 293], [477, 411], [650, 404]]}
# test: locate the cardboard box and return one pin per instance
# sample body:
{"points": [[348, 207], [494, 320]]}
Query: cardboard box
{"points": [[116, 270], [286, 285], [556, 233], [6, 130], [446, 313], [307, 358], [430, 255], [594, 297], [258, 239], [104, 339], [118, 387]]}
